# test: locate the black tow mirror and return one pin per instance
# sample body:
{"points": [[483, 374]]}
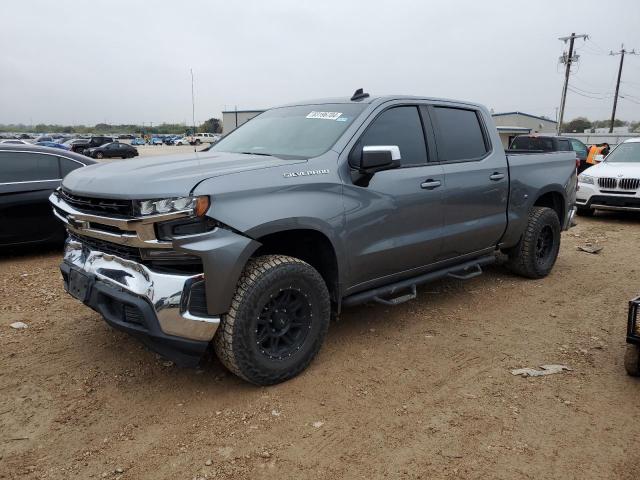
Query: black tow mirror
{"points": [[376, 158]]}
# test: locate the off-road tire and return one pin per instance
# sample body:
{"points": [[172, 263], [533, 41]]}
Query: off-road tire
{"points": [[525, 258], [585, 212], [235, 342], [632, 360]]}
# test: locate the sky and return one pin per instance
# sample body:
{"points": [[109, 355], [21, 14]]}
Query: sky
{"points": [[129, 61]]}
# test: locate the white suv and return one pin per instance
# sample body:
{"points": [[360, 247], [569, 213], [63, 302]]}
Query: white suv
{"points": [[613, 184]]}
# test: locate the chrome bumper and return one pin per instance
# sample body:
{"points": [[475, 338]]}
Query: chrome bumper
{"points": [[168, 294]]}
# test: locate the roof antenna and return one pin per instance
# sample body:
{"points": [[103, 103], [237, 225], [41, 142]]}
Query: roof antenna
{"points": [[359, 95]]}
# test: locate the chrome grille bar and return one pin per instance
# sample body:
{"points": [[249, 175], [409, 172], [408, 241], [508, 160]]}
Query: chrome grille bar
{"points": [[607, 183], [629, 183]]}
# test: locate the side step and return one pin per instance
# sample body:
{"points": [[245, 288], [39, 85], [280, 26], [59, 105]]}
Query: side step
{"points": [[463, 271]]}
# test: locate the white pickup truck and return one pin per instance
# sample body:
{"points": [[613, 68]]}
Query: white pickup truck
{"points": [[200, 138]]}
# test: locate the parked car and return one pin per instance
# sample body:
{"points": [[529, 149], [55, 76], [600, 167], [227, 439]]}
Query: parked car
{"points": [[112, 150], [53, 145], [306, 209], [169, 139], [182, 141], [552, 143], [44, 138], [613, 184], [138, 141], [28, 176], [14, 142], [155, 141], [83, 144]]}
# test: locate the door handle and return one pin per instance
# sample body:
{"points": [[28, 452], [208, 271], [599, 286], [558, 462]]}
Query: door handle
{"points": [[496, 176], [430, 184]]}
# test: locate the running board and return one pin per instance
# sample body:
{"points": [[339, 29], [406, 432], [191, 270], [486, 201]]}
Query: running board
{"points": [[463, 271]]}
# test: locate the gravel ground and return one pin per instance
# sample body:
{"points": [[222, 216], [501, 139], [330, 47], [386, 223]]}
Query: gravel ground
{"points": [[423, 390]]}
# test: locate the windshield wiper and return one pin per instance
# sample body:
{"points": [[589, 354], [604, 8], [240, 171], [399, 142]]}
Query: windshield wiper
{"points": [[257, 153]]}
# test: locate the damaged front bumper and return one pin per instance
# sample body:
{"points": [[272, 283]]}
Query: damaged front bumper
{"points": [[153, 306]]}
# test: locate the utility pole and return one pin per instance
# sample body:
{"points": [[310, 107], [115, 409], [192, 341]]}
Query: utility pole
{"points": [[193, 110], [567, 60], [622, 53]]}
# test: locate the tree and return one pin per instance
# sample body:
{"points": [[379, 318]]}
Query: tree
{"points": [[213, 125], [579, 125]]}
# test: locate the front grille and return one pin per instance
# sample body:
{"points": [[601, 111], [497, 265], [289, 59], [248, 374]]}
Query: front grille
{"points": [[198, 300], [608, 183], [98, 206], [629, 183], [122, 251]]}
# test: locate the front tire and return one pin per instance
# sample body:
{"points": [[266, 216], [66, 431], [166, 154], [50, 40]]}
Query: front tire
{"points": [[537, 250], [632, 360], [278, 319]]}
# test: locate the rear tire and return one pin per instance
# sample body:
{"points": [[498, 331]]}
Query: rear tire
{"points": [[99, 155], [278, 319], [585, 212], [632, 360], [536, 253]]}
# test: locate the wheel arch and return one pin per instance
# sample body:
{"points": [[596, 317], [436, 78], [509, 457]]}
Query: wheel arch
{"points": [[310, 245]]}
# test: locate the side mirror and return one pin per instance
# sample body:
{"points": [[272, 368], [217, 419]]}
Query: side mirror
{"points": [[598, 158], [376, 158]]}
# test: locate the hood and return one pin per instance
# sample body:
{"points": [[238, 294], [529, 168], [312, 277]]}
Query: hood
{"points": [[163, 176], [615, 170]]}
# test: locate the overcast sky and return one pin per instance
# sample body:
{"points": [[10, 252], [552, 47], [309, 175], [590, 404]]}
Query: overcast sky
{"points": [[124, 61]]}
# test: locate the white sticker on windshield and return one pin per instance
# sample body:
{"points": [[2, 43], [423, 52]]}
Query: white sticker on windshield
{"points": [[325, 115]]}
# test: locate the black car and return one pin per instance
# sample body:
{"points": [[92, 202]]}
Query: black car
{"points": [[28, 175], [82, 144], [112, 150], [552, 143]]}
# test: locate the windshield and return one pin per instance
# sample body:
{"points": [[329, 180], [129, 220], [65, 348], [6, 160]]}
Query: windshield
{"points": [[302, 131], [625, 153]]}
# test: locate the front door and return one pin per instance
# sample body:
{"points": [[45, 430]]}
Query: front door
{"points": [[394, 222]]}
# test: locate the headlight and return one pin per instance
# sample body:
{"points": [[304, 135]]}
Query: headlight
{"points": [[197, 205], [586, 179]]}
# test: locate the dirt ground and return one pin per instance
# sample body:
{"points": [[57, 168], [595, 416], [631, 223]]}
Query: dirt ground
{"points": [[423, 390]]}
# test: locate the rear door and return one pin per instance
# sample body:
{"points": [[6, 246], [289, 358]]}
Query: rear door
{"points": [[26, 181], [394, 220], [477, 181]]}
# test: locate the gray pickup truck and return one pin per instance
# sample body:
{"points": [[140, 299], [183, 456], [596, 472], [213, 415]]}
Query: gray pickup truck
{"points": [[255, 245]]}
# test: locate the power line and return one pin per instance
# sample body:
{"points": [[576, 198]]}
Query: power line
{"points": [[567, 59]]}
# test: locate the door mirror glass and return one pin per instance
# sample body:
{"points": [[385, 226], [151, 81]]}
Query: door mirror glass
{"points": [[375, 158]]}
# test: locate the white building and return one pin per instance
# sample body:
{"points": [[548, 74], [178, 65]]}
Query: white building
{"points": [[232, 119], [512, 124]]}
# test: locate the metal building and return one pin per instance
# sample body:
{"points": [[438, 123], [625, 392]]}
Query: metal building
{"points": [[232, 119], [512, 124]]}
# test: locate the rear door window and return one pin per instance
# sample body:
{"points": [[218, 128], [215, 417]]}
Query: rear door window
{"points": [[563, 145], [459, 134], [27, 167], [400, 126]]}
